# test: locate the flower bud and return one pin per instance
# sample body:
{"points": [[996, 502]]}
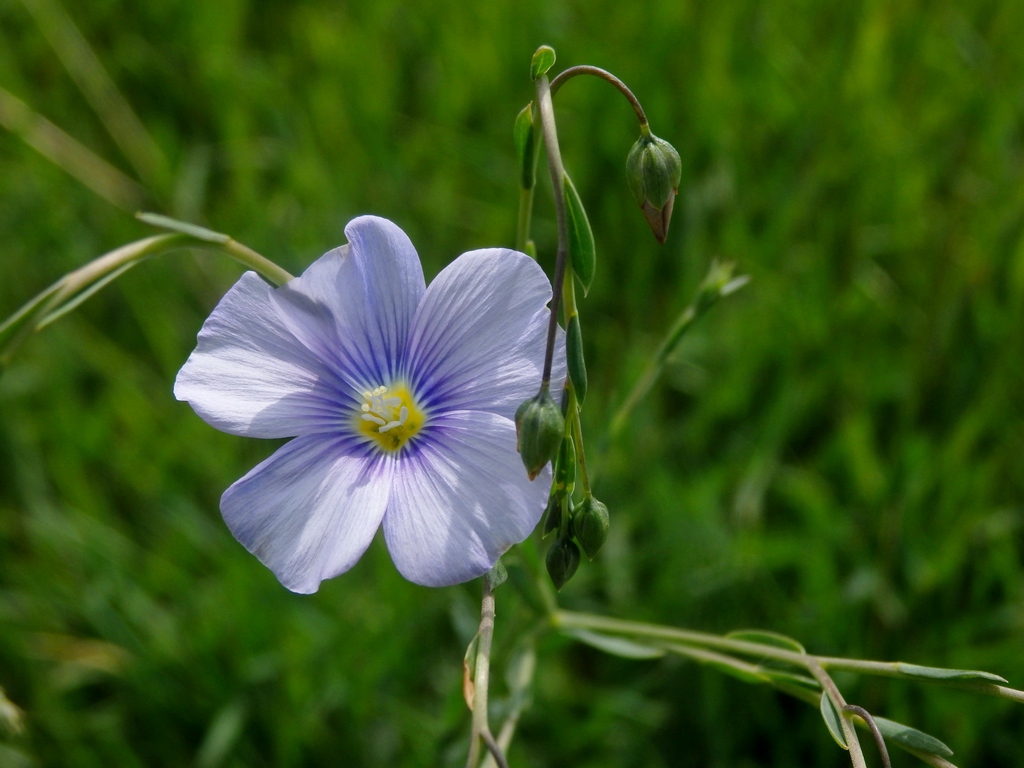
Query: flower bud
{"points": [[539, 427], [590, 525], [553, 512], [562, 560], [653, 170]]}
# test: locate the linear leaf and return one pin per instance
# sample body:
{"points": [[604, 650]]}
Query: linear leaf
{"points": [[906, 736], [581, 238], [938, 673], [832, 720], [617, 646], [763, 637]]}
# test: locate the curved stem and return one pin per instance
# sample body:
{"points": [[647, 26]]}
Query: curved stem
{"points": [[572, 72], [829, 689], [876, 734], [547, 119], [75, 287]]}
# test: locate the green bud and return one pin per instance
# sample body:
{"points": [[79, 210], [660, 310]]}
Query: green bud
{"points": [[553, 513], [539, 427], [574, 358], [653, 170], [562, 560], [590, 525]]}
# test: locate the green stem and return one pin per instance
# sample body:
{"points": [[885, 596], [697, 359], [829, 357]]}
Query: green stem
{"points": [[574, 425], [830, 689], [525, 214], [547, 119], [68, 292], [572, 72], [570, 619], [653, 370]]}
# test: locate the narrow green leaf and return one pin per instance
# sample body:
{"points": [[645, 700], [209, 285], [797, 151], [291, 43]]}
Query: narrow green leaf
{"points": [[938, 673], [763, 637], [581, 238], [26, 314], [832, 720], [803, 681], [543, 60], [735, 670], [525, 139], [166, 222], [84, 296], [906, 736], [617, 646], [574, 358]]}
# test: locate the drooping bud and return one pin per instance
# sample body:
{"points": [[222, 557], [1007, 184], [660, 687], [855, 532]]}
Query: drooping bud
{"points": [[562, 560], [539, 427], [553, 512], [590, 525], [653, 170]]}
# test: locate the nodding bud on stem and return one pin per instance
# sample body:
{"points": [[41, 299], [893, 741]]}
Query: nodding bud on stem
{"points": [[590, 524], [539, 428], [653, 170], [562, 560]]}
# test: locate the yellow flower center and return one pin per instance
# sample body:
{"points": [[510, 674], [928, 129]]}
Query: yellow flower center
{"points": [[390, 417]]}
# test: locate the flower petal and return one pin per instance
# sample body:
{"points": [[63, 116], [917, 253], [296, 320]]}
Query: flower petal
{"points": [[479, 336], [460, 499], [310, 510], [378, 287], [249, 375]]}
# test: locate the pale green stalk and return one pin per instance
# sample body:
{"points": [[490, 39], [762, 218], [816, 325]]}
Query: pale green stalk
{"points": [[481, 681], [68, 292]]}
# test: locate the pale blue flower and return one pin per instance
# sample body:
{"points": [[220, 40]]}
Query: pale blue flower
{"points": [[399, 398]]}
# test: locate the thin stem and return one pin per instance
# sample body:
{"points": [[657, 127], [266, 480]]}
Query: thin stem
{"points": [[574, 426], [653, 370], [481, 680], [72, 289], [829, 689], [547, 119], [572, 72], [864, 715], [525, 214], [561, 619]]}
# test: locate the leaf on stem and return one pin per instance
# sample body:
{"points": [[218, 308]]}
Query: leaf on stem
{"points": [[833, 721], [905, 736], [762, 637], [581, 238], [525, 140], [574, 358], [616, 646], [955, 675], [468, 666]]}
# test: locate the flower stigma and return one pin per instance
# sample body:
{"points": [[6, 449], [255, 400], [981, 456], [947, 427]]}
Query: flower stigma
{"points": [[390, 417]]}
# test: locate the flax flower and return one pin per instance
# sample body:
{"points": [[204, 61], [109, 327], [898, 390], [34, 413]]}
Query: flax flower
{"points": [[399, 397]]}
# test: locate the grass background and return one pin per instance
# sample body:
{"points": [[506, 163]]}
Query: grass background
{"points": [[835, 452]]}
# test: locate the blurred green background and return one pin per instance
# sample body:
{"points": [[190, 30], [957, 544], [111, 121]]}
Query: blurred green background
{"points": [[836, 453]]}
